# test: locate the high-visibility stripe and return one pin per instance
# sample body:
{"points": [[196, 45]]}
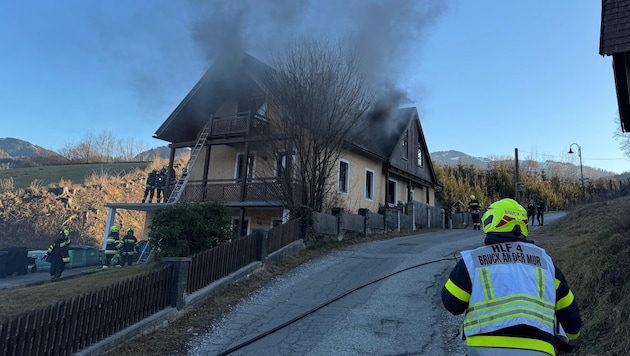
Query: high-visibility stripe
{"points": [[565, 301], [573, 337], [540, 282], [511, 313], [510, 343], [457, 292], [484, 274]]}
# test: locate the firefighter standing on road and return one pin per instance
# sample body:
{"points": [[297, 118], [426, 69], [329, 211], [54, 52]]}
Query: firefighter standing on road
{"points": [[531, 211], [112, 245], [475, 212], [540, 212], [58, 255], [517, 302]]}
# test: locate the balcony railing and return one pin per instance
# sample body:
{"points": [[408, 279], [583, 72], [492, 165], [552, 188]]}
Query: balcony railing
{"points": [[225, 191], [237, 125]]}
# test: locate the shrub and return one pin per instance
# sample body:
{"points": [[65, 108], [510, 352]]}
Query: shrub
{"points": [[183, 229]]}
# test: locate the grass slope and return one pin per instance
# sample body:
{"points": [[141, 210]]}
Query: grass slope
{"points": [[76, 173]]}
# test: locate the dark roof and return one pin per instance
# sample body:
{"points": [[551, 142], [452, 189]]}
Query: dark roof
{"points": [[615, 27], [231, 74], [382, 129]]}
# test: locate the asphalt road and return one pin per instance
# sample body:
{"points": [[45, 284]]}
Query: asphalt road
{"points": [[399, 315]]}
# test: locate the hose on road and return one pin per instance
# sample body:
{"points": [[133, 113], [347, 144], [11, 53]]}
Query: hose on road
{"points": [[303, 315]]}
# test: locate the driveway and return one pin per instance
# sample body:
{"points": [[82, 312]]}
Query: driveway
{"points": [[314, 311]]}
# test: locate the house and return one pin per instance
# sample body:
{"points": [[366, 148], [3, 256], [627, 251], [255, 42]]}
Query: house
{"points": [[224, 120], [615, 41]]}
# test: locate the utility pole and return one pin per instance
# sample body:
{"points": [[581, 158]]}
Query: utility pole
{"points": [[516, 177]]}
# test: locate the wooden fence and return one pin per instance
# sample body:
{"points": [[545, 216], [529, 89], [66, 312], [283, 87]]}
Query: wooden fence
{"points": [[218, 262], [72, 325], [282, 235]]}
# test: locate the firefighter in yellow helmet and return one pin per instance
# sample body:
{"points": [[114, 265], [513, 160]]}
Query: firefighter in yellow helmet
{"points": [[515, 300], [58, 254], [128, 249], [112, 244], [475, 212]]}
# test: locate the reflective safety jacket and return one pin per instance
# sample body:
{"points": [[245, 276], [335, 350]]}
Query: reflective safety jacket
{"points": [[129, 245], [474, 206], [513, 296], [64, 249], [58, 249], [112, 244]]}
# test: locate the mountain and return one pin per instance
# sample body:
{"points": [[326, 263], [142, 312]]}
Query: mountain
{"points": [[547, 168], [159, 152], [20, 148], [453, 158]]}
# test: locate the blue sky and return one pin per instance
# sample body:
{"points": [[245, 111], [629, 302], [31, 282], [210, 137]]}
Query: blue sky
{"points": [[486, 76]]}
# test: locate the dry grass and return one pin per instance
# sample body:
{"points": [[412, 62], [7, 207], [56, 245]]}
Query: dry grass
{"points": [[592, 247], [16, 301]]}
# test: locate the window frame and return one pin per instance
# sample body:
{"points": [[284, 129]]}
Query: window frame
{"points": [[369, 186], [346, 179]]}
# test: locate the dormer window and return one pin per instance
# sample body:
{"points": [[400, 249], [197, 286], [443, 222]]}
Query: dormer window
{"points": [[405, 145]]}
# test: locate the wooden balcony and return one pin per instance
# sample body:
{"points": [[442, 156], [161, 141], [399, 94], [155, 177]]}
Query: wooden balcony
{"points": [[239, 124], [259, 192]]}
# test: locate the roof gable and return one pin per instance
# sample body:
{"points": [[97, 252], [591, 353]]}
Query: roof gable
{"points": [[615, 27], [231, 75]]}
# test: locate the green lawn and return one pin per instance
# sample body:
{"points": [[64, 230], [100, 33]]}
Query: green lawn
{"points": [[23, 177]]}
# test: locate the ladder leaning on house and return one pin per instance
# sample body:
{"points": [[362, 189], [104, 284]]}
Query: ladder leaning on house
{"points": [[147, 252], [183, 179]]}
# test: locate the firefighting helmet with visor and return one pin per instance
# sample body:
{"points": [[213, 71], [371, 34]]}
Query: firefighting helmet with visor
{"points": [[507, 217], [64, 233], [472, 197], [113, 228]]}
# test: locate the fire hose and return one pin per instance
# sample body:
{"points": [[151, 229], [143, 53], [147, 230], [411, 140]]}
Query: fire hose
{"points": [[311, 311]]}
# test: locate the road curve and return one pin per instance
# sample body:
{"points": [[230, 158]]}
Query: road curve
{"points": [[399, 315]]}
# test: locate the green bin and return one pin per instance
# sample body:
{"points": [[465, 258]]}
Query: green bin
{"points": [[41, 264]]}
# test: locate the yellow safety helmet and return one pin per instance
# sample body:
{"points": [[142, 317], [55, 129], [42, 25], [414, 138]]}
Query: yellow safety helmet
{"points": [[64, 232], [505, 216], [472, 196], [113, 228]]}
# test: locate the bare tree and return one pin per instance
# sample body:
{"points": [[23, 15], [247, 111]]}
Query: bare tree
{"points": [[317, 94], [127, 149], [622, 137], [104, 144]]}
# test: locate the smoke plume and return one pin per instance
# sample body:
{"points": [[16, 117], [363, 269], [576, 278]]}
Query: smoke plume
{"points": [[386, 33]]}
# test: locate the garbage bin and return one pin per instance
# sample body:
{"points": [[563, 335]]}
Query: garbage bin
{"points": [[16, 261], [40, 264], [3, 263]]}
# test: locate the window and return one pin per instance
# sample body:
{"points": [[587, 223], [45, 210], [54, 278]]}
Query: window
{"points": [[419, 156], [391, 192], [239, 163], [369, 184], [244, 228], [405, 145], [281, 164], [344, 176]]}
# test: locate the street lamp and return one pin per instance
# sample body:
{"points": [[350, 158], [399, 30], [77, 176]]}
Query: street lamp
{"points": [[581, 171]]}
